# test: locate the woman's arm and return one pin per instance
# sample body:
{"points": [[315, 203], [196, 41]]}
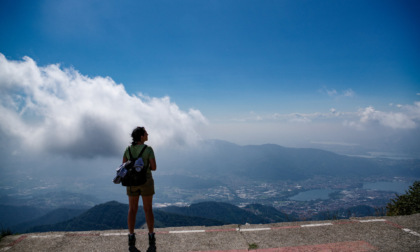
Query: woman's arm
{"points": [[152, 162]]}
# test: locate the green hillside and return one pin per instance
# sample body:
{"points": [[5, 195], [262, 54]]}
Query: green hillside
{"points": [[113, 215], [53, 217], [230, 214]]}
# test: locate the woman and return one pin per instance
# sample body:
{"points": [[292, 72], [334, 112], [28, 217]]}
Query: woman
{"points": [[146, 190]]}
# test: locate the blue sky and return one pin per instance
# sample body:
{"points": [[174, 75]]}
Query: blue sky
{"points": [[257, 66]]}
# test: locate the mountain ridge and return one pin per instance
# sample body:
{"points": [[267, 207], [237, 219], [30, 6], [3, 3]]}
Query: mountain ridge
{"points": [[113, 215], [270, 162]]}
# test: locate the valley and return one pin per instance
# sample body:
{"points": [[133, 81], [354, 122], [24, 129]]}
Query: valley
{"points": [[344, 193], [300, 183]]}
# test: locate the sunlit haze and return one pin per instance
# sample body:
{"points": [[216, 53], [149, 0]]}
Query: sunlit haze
{"points": [[304, 110], [337, 75]]}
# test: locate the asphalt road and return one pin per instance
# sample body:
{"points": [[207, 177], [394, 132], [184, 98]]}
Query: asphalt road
{"points": [[401, 233]]}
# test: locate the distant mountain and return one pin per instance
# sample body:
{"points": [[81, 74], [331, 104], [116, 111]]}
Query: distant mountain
{"points": [[101, 217], [53, 217], [270, 214], [165, 219], [113, 215], [12, 215], [20, 213], [224, 212], [230, 214], [226, 162]]}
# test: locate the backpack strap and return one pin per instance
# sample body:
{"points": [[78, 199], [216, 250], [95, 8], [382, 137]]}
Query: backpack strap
{"points": [[142, 150]]}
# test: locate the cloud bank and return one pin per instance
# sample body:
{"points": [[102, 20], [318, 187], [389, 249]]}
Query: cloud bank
{"points": [[53, 110], [393, 130], [407, 117], [47, 108], [334, 93], [396, 120]]}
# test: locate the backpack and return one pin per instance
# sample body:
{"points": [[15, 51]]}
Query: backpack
{"points": [[136, 171]]}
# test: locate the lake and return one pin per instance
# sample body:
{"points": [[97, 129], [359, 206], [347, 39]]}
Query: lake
{"points": [[322, 194]]}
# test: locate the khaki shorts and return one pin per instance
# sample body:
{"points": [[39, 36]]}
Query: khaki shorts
{"points": [[147, 189]]}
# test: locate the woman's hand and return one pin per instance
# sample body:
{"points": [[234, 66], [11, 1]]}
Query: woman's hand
{"points": [[152, 162]]}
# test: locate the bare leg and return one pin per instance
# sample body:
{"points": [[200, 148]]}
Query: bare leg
{"points": [[133, 206], [148, 211]]}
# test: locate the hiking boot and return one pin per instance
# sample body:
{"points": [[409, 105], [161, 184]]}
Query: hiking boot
{"points": [[131, 240], [152, 243], [133, 249]]}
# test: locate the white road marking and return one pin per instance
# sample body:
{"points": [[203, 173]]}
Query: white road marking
{"points": [[411, 232], [317, 225], [46, 236], [5, 248], [372, 220], [253, 229], [113, 234], [186, 231]]}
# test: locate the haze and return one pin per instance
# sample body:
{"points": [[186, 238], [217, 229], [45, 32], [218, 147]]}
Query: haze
{"points": [[77, 76]]}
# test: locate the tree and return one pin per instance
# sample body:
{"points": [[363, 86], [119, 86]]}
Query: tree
{"points": [[5, 232], [406, 204]]}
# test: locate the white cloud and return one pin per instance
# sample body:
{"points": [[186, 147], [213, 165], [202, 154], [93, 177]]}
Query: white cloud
{"points": [[331, 92], [276, 117], [348, 93], [389, 119], [412, 110], [293, 118], [334, 93], [299, 118], [407, 117], [60, 110], [335, 113]]}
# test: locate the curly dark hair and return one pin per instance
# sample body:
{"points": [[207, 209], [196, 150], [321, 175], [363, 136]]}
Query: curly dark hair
{"points": [[137, 133]]}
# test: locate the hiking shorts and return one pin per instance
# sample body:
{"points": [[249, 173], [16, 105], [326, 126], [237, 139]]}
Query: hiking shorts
{"points": [[147, 189]]}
